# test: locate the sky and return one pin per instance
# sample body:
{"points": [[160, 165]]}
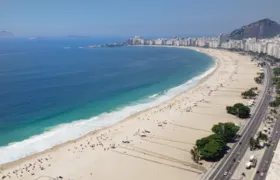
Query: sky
{"points": [[132, 17]]}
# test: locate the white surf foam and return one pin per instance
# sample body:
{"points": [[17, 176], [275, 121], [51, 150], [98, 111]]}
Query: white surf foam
{"points": [[70, 131], [153, 96]]}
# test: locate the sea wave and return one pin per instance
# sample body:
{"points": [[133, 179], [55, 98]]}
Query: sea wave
{"points": [[65, 132], [153, 96], [9, 54]]}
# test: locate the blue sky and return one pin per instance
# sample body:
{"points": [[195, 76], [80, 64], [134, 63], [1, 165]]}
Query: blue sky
{"points": [[132, 17]]}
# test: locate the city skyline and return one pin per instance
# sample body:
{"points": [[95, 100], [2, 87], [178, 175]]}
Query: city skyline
{"points": [[269, 46], [127, 18]]}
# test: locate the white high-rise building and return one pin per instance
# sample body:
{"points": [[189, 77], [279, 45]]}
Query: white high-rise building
{"points": [[158, 42]]}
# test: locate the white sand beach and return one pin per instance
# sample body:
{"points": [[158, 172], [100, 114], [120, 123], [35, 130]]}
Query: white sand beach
{"points": [[154, 144]]}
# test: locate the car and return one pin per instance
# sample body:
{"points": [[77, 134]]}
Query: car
{"points": [[262, 174], [225, 173], [276, 132]]}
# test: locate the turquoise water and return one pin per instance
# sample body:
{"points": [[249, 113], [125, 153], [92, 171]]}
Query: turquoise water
{"points": [[53, 91]]}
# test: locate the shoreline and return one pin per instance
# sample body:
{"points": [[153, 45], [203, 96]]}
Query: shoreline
{"points": [[206, 74], [157, 135]]}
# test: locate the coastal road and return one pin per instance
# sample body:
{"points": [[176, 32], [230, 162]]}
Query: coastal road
{"points": [[228, 164], [269, 152]]}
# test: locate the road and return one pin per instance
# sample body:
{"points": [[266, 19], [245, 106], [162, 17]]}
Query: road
{"points": [[232, 158], [268, 154]]}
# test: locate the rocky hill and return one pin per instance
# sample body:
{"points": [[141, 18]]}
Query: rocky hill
{"points": [[264, 28]]}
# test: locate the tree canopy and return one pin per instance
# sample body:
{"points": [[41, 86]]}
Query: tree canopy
{"points": [[213, 147], [262, 136], [249, 94], [276, 82], [227, 130], [252, 144], [275, 103], [259, 79], [276, 71], [239, 110], [212, 151]]}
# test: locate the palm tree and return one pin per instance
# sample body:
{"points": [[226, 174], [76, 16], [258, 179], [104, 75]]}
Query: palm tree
{"points": [[195, 154]]}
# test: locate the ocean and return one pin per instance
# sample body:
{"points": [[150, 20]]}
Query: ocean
{"points": [[56, 89]]}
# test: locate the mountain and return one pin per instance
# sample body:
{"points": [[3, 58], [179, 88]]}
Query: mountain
{"points": [[6, 34], [264, 28]]}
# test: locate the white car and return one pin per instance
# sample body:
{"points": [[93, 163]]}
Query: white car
{"points": [[225, 173]]}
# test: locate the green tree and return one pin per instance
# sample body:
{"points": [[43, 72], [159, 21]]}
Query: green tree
{"points": [[275, 80], [195, 154], [211, 147], [276, 102], [249, 94], [200, 143], [252, 144], [231, 110], [276, 71], [243, 112], [262, 136], [239, 110], [259, 78], [238, 105], [218, 138], [257, 142], [227, 130], [212, 151]]}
